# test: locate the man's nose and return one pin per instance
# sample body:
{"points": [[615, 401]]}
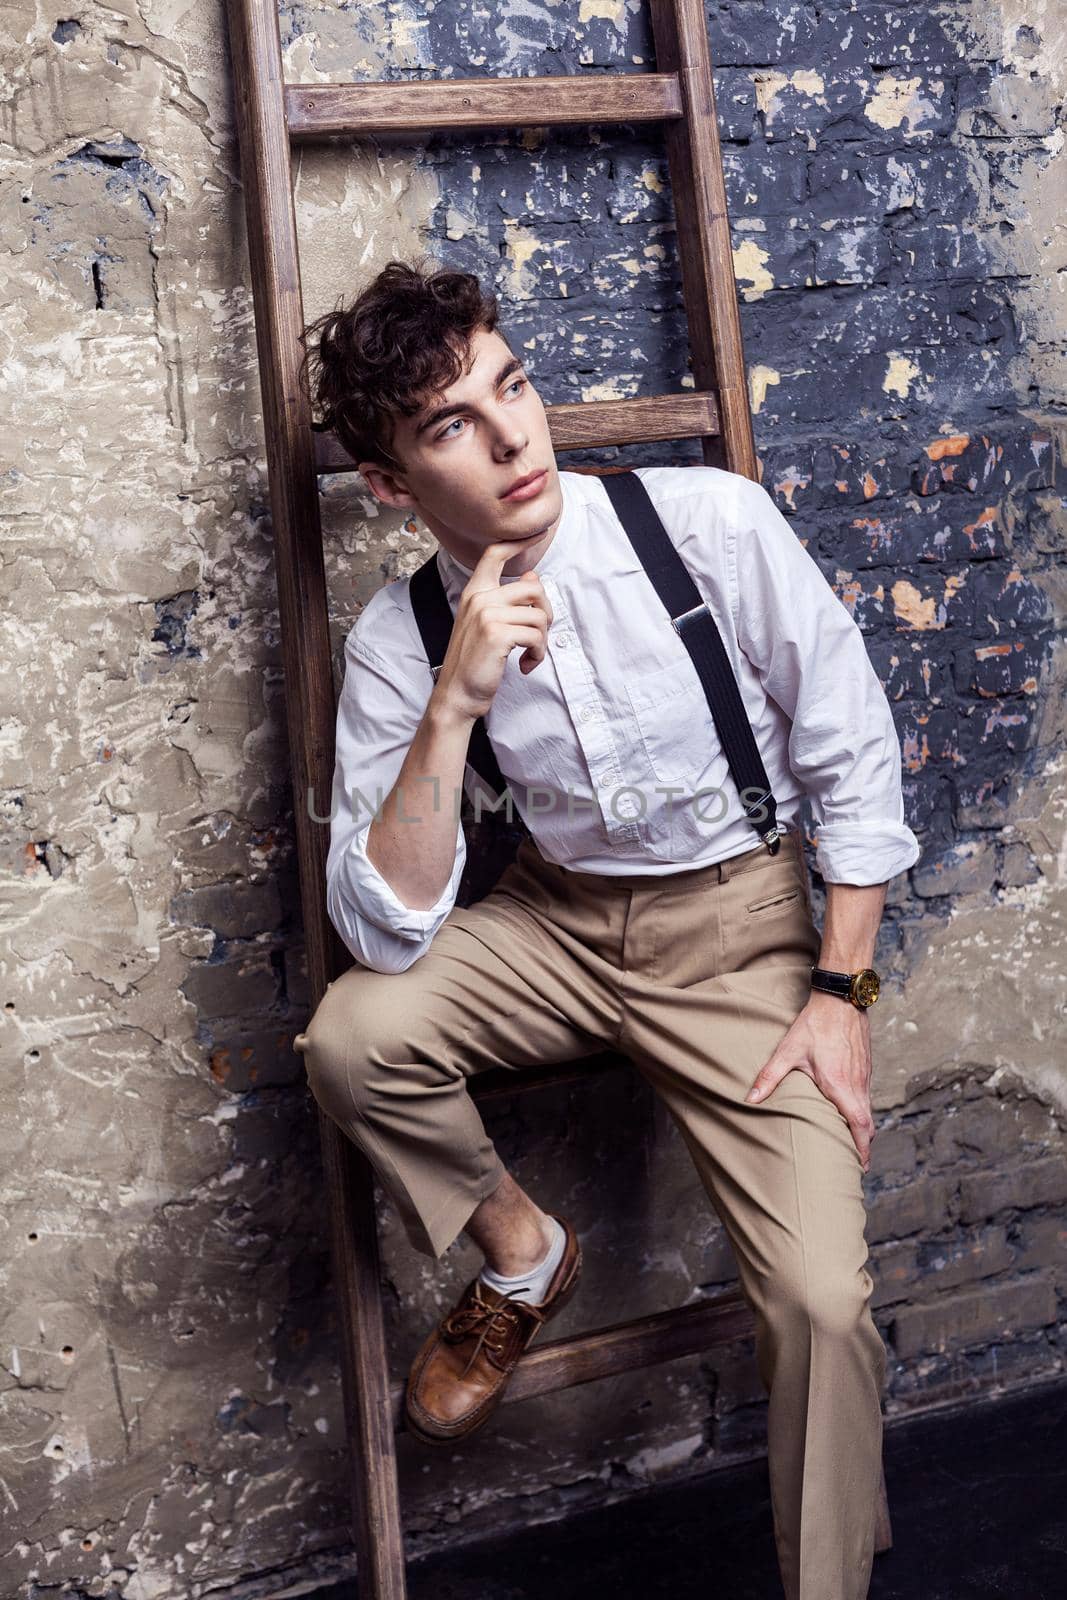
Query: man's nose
{"points": [[512, 437]]}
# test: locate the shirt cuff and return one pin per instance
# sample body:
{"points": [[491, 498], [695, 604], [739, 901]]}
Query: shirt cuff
{"points": [[863, 853], [364, 887]]}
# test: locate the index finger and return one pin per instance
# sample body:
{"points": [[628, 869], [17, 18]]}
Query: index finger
{"points": [[493, 559]]}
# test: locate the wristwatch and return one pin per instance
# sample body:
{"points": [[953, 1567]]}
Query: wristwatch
{"points": [[860, 987]]}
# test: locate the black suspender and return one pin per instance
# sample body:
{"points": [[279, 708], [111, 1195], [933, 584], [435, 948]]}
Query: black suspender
{"points": [[690, 618], [434, 617], [695, 625]]}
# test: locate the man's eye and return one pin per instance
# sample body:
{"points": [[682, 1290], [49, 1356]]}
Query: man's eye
{"points": [[517, 383]]}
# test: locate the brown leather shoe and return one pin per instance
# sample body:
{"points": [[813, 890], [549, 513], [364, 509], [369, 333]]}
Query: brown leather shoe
{"points": [[462, 1369]]}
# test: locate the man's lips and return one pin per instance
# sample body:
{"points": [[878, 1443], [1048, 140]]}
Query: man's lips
{"points": [[527, 487]]}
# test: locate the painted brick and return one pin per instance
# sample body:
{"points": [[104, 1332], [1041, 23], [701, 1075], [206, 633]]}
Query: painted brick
{"points": [[997, 729], [985, 802], [995, 1312], [781, 188], [909, 530], [908, 670], [894, 1268], [862, 594], [742, 1430], [945, 1264], [1006, 667], [242, 985], [921, 1204], [786, 474], [1042, 1242], [884, 36], [736, 102], [965, 867], [747, 31], [1039, 1183], [893, 1154], [254, 1058], [927, 805], [840, 106], [772, 253], [852, 185], [928, 601], [1005, 598], [966, 1374], [928, 735], [981, 1129], [549, 191], [737, 1372], [232, 910], [851, 253], [849, 474], [986, 463], [940, 250]]}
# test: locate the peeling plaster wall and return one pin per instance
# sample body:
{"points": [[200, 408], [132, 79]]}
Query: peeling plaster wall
{"points": [[170, 1419]]}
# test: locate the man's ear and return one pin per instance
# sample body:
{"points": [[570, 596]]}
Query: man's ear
{"points": [[387, 484]]}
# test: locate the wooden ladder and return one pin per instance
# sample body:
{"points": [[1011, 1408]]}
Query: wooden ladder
{"points": [[271, 117]]}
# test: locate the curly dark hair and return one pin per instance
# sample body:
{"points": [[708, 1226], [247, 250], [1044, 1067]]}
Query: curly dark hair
{"points": [[404, 338]]}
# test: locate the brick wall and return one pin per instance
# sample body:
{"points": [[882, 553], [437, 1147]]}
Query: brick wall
{"points": [[170, 1418]]}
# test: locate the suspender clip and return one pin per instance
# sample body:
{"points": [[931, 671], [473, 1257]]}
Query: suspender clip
{"points": [[770, 836], [676, 622]]}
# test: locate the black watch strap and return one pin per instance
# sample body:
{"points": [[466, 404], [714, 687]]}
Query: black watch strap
{"points": [[832, 982]]}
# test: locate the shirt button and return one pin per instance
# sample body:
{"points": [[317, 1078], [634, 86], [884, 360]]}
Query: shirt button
{"points": [[605, 778], [564, 639], [586, 712]]}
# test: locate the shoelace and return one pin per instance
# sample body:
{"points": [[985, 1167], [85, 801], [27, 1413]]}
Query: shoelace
{"points": [[495, 1322]]}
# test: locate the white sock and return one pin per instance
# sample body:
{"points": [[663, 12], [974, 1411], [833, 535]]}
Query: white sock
{"points": [[533, 1285]]}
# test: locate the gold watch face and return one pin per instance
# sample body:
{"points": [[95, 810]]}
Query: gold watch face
{"points": [[865, 987]]}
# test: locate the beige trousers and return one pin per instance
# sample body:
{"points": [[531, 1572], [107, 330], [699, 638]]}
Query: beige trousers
{"points": [[694, 976]]}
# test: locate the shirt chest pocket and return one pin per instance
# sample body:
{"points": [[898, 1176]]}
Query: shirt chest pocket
{"points": [[674, 722]]}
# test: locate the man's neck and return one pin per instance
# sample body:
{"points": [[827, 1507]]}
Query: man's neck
{"points": [[528, 553]]}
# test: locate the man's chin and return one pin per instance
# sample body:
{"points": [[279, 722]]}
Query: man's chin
{"points": [[547, 509]]}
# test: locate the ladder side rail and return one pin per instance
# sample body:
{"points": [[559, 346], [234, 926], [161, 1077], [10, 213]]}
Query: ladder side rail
{"points": [[255, 44], [698, 188]]}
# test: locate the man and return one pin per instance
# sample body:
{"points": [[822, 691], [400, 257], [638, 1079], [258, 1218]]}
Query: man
{"points": [[638, 915]]}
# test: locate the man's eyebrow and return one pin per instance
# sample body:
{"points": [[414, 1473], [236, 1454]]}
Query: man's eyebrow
{"points": [[513, 364]]}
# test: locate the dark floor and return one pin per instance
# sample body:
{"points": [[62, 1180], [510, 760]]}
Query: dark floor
{"points": [[977, 1496]]}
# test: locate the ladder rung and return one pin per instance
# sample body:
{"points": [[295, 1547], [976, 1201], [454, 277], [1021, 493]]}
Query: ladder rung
{"points": [[622, 1347], [332, 110], [585, 425]]}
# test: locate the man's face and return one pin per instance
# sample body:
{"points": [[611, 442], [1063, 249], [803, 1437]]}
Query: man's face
{"points": [[466, 448]]}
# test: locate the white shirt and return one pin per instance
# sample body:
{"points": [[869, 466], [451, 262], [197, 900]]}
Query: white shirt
{"points": [[617, 701]]}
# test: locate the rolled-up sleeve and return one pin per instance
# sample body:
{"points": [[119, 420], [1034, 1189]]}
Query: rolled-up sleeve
{"points": [[378, 714], [811, 657]]}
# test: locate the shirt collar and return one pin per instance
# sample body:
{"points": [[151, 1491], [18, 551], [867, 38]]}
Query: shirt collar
{"points": [[553, 557]]}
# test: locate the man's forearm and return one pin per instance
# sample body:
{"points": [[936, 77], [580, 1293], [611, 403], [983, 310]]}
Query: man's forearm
{"points": [[850, 927], [412, 840]]}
